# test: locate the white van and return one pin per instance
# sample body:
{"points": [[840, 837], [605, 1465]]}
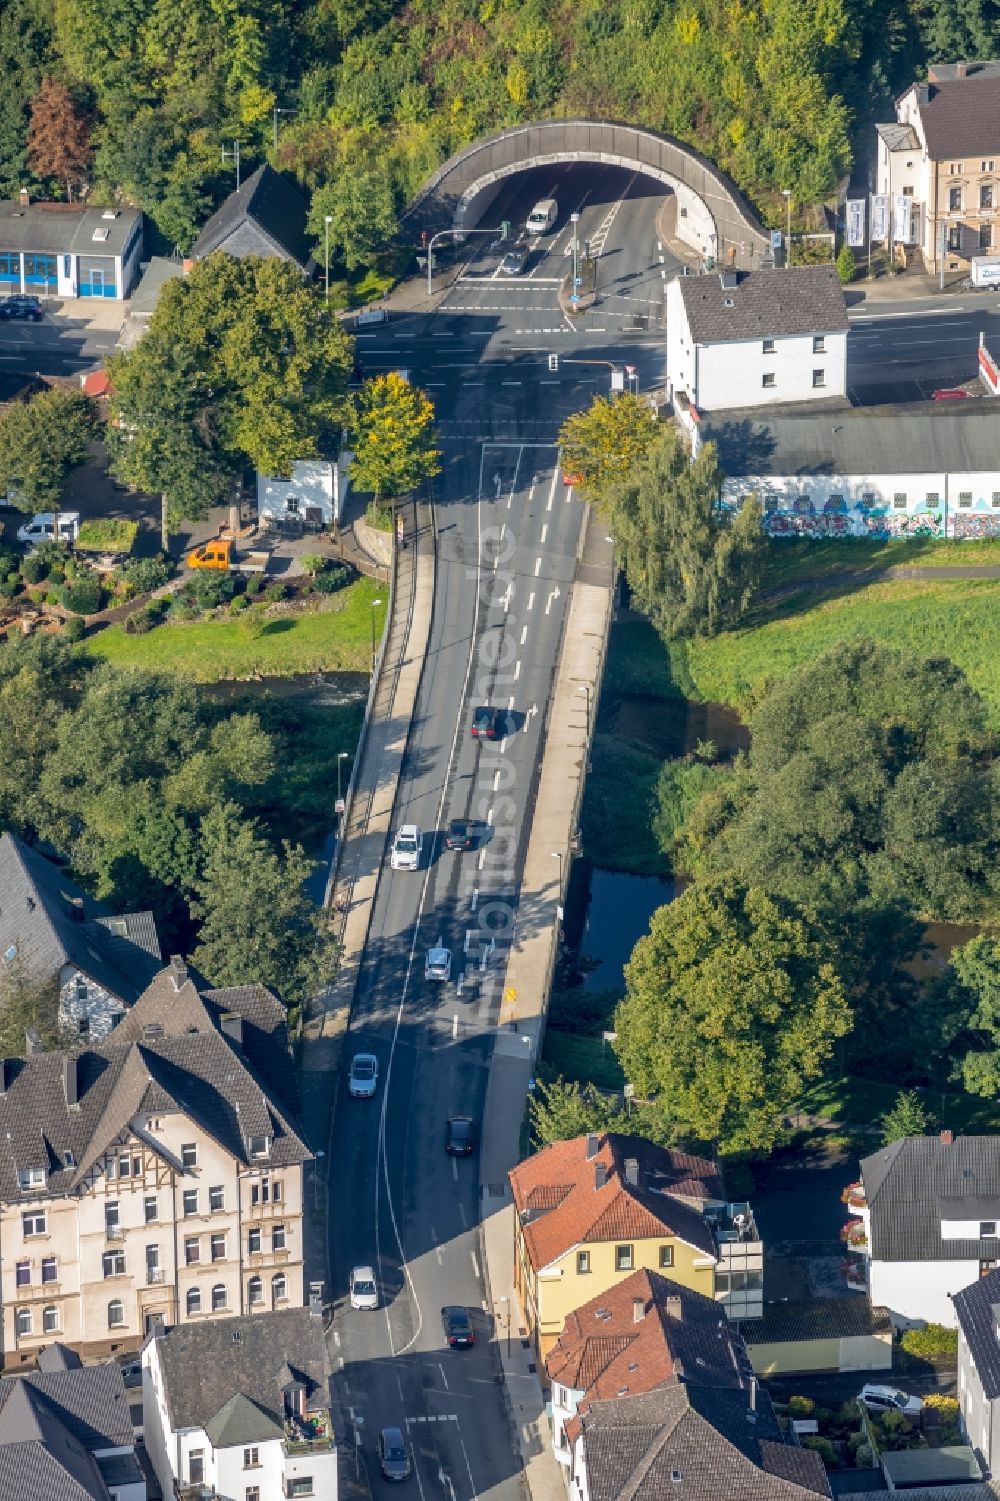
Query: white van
{"points": [[41, 528], [542, 216]]}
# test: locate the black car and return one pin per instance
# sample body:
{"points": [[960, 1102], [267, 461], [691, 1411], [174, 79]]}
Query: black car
{"points": [[457, 1328], [21, 307], [459, 1136], [487, 723], [460, 835]]}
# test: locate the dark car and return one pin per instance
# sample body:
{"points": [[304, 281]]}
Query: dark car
{"points": [[21, 307], [459, 1136], [392, 1454], [457, 1328], [460, 835], [487, 723]]}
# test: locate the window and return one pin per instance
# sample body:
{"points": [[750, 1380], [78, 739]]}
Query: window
{"points": [[278, 1238], [255, 1291], [50, 1269], [219, 1300], [218, 1248], [50, 1319], [33, 1223], [193, 1301], [216, 1199], [955, 168], [666, 1256], [116, 1313], [113, 1263], [253, 1241], [300, 1485], [986, 195], [965, 497], [819, 344], [83, 1027], [149, 1207], [125, 1166], [908, 192], [196, 1466], [152, 1263], [189, 1154], [995, 500], [932, 498], [899, 500], [767, 379], [251, 1458], [252, 1493], [985, 236], [31, 1177], [955, 237], [276, 1191], [819, 379], [768, 346], [987, 166], [954, 200], [582, 1263], [192, 1251], [623, 1258], [22, 1276], [259, 1146], [279, 1288], [190, 1202], [112, 1217], [24, 1321], [987, 1229]]}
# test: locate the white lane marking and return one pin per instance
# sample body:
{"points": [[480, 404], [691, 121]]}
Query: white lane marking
{"points": [[489, 817], [924, 312], [336, 1339], [531, 601], [545, 530], [517, 674], [512, 382], [475, 1264], [445, 334], [553, 595], [482, 858], [524, 632], [552, 487], [440, 1366], [538, 566], [510, 703], [454, 1168], [496, 778]]}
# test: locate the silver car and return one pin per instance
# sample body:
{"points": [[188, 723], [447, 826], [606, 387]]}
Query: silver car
{"points": [[362, 1081], [437, 965], [364, 1290]]}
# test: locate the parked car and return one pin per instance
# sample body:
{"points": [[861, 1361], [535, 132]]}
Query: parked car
{"points": [[889, 1399], [437, 965], [514, 262], [364, 1290], [457, 1328], [21, 306], [407, 848], [571, 478], [460, 1136], [487, 723], [362, 1081], [460, 835], [42, 527], [392, 1455], [951, 394]]}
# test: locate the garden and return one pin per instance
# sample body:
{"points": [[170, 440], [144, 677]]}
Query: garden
{"points": [[852, 1437]]}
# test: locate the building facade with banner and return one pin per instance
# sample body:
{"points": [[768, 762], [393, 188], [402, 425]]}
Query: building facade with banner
{"points": [[854, 219], [942, 153]]}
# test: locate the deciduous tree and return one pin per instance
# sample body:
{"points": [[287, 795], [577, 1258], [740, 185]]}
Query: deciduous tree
{"points": [[394, 437], [41, 440], [605, 442], [361, 205], [973, 983], [908, 1117], [58, 136]]}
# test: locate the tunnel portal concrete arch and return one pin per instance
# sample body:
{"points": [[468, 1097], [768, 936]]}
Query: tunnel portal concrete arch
{"points": [[712, 216]]}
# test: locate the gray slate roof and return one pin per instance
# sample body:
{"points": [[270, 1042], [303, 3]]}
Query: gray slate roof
{"points": [[906, 1183], [899, 137], [764, 304], [90, 1400], [205, 1366], [816, 1318], [977, 1309], [160, 270], [51, 921], [265, 216], [695, 1443], [961, 118], [56, 227], [50, 1425], [925, 437]]}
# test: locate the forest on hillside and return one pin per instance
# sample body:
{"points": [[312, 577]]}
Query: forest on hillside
{"points": [[134, 100]]}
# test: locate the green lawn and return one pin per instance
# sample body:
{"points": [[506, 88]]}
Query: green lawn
{"points": [[790, 560], [853, 1101], [584, 1060], [334, 636], [957, 618]]}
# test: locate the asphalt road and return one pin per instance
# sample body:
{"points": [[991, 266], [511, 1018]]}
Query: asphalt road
{"points": [[909, 350], [508, 531], [58, 345]]}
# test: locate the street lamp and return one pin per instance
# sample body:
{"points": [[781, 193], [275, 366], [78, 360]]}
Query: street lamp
{"points": [[327, 221], [585, 688], [375, 603], [341, 756], [574, 219], [507, 1319], [786, 193]]}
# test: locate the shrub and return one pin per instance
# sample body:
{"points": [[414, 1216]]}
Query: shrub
{"points": [[846, 265], [933, 1342], [801, 1407], [57, 575], [274, 594], [13, 577], [331, 579], [254, 584], [33, 570], [239, 603], [138, 623], [146, 574], [823, 1448], [946, 1407], [74, 629], [864, 1456], [50, 598], [312, 563], [209, 589], [8, 588], [83, 596]]}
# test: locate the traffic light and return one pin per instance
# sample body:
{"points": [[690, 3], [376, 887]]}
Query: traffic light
{"points": [[423, 237], [505, 229], [553, 362]]}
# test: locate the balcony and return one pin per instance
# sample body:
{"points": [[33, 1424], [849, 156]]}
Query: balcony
{"points": [[733, 1225], [154, 1276], [309, 1435], [114, 1232], [854, 1198], [855, 1236]]}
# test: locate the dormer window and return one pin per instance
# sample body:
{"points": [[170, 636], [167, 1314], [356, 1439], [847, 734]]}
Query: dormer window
{"points": [[30, 1177], [987, 1229], [259, 1146]]}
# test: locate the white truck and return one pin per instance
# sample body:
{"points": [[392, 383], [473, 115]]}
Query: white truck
{"points": [[986, 271]]}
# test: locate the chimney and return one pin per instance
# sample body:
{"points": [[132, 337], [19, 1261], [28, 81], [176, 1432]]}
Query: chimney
{"points": [[672, 1307], [32, 1043], [151, 1030], [961, 70], [71, 1084], [600, 1175], [632, 1171], [23, 198], [923, 95], [178, 971], [638, 1310], [232, 1027], [947, 1138], [592, 1141]]}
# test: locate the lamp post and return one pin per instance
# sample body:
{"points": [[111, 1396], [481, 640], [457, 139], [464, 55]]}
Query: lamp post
{"points": [[341, 756], [574, 219], [506, 1302], [786, 193], [585, 688], [327, 221], [375, 603]]}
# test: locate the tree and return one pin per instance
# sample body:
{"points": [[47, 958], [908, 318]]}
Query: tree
{"points": [[59, 135], [692, 569], [908, 1117], [846, 265], [41, 440], [606, 441], [257, 921], [26, 1002], [973, 988], [559, 1110], [361, 205], [395, 437], [733, 1004]]}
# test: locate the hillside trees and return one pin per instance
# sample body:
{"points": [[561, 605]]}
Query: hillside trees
{"points": [[58, 136]]}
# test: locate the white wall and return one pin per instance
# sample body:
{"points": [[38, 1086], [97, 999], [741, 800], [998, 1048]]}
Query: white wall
{"points": [[920, 1291], [311, 484], [873, 505], [565, 1402], [231, 1479], [102, 1010], [979, 1415]]}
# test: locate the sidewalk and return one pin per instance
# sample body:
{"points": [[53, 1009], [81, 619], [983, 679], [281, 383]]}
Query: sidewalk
{"points": [[526, 989]]}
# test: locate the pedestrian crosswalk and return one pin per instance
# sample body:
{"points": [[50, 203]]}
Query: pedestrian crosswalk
{"points": [[434, 1417]]}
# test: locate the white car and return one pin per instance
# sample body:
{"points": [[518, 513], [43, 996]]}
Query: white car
{"points": [[364, 1292], [437, 965], [42, 527], [407, 848], [542, 216], [889, 1399], [362, 1081]]}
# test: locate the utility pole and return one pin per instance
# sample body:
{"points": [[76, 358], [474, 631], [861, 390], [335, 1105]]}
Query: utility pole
{"points": [[235, 154], [575, 295], [278, 112], [786, 193]]}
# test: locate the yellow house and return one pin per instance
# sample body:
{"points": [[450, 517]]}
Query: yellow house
{"points": [[591, 1211]]}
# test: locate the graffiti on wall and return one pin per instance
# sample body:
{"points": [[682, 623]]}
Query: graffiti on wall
{"points": [[797, 516]]}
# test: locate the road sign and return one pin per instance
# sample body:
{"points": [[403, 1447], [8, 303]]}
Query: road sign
{"points": [[505, 230], [617, 380], [510, 995], [339, 805], [630, 371], [578, 281], [553, 362]]}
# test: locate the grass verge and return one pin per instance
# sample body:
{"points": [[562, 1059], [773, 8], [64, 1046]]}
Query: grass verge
{"points": [[794, 560], [853, 1101], [334, 635], [582, 1060], [618, 807]]}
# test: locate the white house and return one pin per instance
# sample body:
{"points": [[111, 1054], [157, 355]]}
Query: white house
{"points": [[68, 249], [923, 469], [977, 1308], [758, 338], [313, 495], [241, 1409], [929, 1208]]}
